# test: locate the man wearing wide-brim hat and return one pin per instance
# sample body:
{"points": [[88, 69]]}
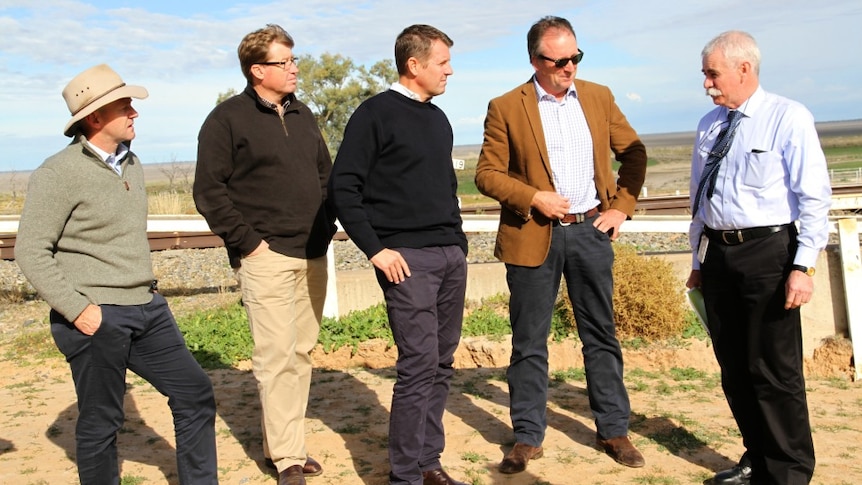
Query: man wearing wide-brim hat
{"points": [[82, 243]]}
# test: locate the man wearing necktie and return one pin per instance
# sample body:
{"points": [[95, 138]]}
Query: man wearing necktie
{"points": [[757, 170]]}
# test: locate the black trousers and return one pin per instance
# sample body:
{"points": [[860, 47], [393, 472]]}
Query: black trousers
{"points": [[425, 313], [758, 345], [584, 255], [144, 339]]}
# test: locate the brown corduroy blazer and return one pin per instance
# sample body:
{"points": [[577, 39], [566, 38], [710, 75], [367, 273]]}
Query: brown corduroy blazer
{"points": [[514, 165]]}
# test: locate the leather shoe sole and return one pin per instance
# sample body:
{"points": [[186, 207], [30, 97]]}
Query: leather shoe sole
{"points": [[521, 454], [622, 451]]}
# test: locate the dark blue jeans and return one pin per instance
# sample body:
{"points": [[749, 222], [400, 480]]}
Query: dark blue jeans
{"points": [[425, 313], [585, 257], [144, 339]]}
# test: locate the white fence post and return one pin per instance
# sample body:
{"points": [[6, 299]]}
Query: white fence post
{"points": [[851, 271]]}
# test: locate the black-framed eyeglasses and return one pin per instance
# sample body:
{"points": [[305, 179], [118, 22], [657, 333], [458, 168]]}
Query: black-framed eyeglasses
{"points": [[561, 63], [282, 64]]}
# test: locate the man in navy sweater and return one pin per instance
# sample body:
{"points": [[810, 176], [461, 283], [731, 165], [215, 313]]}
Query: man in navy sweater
{"points": [[393, 187]]}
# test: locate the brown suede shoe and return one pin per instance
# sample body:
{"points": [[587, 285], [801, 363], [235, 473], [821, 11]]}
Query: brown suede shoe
{"points": [[291, 476], [622, 450], [517, 459], [439, 477]]}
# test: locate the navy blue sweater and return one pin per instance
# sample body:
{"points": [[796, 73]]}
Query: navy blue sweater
{"points": [[392, 183]]}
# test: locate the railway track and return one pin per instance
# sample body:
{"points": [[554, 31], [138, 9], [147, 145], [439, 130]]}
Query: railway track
{"points": [[847, 198]]}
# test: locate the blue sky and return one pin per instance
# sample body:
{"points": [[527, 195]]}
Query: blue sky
{"points": [[184, 53]]}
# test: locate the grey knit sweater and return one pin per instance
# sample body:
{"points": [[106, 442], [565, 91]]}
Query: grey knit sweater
{"points": [[82, 237]]}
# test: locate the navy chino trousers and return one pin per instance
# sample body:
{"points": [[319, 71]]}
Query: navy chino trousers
{"points": [[425, 314], [144, 339]]}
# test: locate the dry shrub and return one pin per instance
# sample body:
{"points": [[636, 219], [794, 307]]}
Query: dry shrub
{"points": [[649, 300], [170, 203]]}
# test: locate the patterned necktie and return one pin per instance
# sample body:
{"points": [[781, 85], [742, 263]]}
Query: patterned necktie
{"points": [[718, 152]]}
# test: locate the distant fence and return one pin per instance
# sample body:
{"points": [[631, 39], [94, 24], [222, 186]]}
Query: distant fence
{"points": [[845, 176]]}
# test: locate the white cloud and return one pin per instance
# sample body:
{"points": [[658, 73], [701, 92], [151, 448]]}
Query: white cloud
{"points": [[646, 51]]}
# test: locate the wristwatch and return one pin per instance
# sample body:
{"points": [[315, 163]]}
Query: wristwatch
{"points": [[809, 270]]}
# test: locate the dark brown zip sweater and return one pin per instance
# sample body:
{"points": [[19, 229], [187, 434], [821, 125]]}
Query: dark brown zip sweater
{"points": [[261, 177]]}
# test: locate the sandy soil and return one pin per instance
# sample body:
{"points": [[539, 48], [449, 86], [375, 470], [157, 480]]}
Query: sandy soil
{"points": [[680, 420]]}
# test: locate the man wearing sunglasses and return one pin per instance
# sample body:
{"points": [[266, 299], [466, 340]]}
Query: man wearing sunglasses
{"points": [[546, 158]]}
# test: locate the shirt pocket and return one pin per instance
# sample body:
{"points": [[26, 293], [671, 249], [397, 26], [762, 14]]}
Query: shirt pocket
{"points": [[762, 169]]}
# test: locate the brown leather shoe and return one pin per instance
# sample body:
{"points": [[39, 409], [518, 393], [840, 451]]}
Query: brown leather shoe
{"points": [[517, 459], [311, 468], [622, 450], [439, 477], [291, 476]]}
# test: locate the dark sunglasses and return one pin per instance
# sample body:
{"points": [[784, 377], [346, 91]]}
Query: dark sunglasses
{"points": [[561, 63]]}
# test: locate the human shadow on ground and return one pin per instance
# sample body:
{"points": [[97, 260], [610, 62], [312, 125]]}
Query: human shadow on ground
{"points": [[338, 400], [472, 385], [566, 399], [345, 402], [662, 431], [136, 441]]}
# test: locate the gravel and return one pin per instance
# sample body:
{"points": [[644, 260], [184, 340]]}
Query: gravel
{"points": [[208, 268]]}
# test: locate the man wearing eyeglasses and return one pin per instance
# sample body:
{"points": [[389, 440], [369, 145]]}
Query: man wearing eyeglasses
{"points": [[260, 183], [546, 158]]}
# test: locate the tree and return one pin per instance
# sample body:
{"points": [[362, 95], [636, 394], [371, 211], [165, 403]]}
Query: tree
{"points": [[231, 92], [333, 86]]}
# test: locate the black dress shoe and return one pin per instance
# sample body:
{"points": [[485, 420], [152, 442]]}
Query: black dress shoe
{"points": [[439, 477], [738, 475]]}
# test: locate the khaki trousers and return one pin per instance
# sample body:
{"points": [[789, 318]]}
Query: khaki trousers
{"points": [[284, 298]]}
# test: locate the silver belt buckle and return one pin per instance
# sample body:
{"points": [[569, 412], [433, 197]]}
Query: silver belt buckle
{"points": [[739, 238]]}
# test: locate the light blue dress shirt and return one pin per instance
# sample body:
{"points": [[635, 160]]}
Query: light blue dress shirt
{"points": [[775, 173]]}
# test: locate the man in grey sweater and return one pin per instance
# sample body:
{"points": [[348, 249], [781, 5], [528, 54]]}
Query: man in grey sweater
{"points": [[82, 243]]}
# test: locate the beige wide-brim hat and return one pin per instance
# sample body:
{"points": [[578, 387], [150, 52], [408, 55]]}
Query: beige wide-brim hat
{"points": [[92, 89]]}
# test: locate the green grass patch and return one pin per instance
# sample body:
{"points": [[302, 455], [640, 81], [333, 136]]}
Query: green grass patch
{"points": [[357, 326], [32, 346], [218, 338]]}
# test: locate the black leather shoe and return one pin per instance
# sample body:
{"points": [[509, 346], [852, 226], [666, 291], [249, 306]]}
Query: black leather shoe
{"points": [[738, 475], [439, 477]]}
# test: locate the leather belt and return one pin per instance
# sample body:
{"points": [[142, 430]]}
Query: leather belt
{"points": [[733, 237], [579, 218]]}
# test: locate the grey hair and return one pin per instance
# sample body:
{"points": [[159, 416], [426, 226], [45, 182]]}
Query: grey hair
{"points": [[737, 47]]}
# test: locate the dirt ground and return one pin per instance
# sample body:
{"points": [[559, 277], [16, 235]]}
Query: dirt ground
{"points": [[680, 420]]}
